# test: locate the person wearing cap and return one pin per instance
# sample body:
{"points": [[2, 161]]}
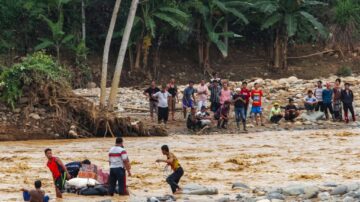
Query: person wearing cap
{"points": [[291, 111], [310, 102], [204, 117], [239, 101], [327, 101], [347, 98], [222, 115], [275, 113], [318, 92]]}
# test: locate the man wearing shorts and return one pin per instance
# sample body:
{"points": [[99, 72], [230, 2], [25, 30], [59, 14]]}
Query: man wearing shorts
{"points": [[149, 92], [256, 110], [58, 170], [202, 93], [188, 94]]}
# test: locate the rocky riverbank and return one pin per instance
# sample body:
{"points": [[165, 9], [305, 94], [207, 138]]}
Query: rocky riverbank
{"points": [[133, 102]]}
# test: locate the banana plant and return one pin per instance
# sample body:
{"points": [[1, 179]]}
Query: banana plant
{"points": [[58, 38], [286, 18]]}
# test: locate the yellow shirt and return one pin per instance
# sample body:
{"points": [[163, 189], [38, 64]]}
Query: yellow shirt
{"points": [[175, 164]]}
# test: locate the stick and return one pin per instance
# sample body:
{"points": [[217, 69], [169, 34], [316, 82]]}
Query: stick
{"points": [[314, 54]]}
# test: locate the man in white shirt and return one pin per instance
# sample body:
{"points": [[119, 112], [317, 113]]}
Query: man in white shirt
{"points": [[204, 117], [119, 164], [163, 106], [202, 92], [318, 92]]}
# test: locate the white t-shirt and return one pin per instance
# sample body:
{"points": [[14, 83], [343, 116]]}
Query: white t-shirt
{"points": [[318, 94], [117, 156], [204, 91], [162, 98]]}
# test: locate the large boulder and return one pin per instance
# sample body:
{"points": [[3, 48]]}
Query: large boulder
{"points": [[313, 116], [196, 189]]}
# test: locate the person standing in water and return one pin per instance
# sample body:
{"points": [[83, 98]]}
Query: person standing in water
{"points": [[58, 170], [173, 179]]}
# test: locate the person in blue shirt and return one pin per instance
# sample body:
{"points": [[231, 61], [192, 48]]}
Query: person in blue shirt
{"points": [[327, 95], [310, 102], [188, 98]]}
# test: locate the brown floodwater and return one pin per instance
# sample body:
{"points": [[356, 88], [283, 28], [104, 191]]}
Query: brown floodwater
{"points": [[257, 159]]}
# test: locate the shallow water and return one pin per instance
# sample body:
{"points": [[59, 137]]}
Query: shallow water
{"points": [[257, 159]]}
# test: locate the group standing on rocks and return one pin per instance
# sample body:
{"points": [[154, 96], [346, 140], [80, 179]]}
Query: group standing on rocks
{"points": [[331, 101]]}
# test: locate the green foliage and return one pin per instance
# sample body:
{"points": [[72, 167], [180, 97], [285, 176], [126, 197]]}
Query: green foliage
{"points": [[344, 71], [347, 11], [35, 71]]}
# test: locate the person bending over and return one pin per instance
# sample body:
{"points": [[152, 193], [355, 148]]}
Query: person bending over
{"points": [[171, 160]]}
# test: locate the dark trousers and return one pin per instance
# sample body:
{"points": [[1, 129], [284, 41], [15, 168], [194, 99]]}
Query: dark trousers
{"points": [[347, 107], [328, 108], [290, 116], [337, 110], [276, 118], [174, 178], [214, 106], [117, 175], [163, 114], [319, 106]]}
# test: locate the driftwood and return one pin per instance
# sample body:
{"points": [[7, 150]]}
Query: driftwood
{"points": [[311, 55]]}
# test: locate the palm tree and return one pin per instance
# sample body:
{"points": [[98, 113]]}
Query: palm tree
{"points": [[106, 53], [286, 18]]}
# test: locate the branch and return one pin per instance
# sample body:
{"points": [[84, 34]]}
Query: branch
{"points": [[314, 54]]}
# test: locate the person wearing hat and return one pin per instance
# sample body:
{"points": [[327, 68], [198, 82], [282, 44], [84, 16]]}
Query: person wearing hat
{"points": [[239, 101], [291, 111], [204, 117], [275, 113]]}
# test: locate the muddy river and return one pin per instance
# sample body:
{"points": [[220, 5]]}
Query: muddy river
{"points": [[257, 159]]}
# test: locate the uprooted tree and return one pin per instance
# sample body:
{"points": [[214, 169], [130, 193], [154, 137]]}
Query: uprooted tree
{"points": [[38, 82]]}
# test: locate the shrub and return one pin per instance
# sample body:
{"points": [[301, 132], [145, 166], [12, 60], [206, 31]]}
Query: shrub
{"points": [[32, 75], [344, 71]]}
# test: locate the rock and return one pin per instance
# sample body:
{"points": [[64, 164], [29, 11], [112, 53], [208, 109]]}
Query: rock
{"points": [[330, 184], [275, 195], [349, 199], [35, 116], [91, 85], [277, 200], [239, 185], [224, 199], [167, 198], [324, 196], [352, 186], [264, 200], [314, 116], [310, 192], [293, 190], [23, 100], [17, 110], [339, 190], [195, 189]]}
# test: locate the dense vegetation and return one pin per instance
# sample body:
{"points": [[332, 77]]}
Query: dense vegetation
{"points": [[76, 28]]}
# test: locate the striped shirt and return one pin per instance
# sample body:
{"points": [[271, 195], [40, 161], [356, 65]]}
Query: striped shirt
{"points": [[117, 156], [215, 93]]}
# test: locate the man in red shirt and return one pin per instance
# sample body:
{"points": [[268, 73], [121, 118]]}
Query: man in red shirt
{"points": [[256, 110], [246, 94], [58, 170]]}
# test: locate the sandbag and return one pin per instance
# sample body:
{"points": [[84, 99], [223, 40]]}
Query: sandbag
{"points": [[81, 182], [313, 116], [98, 190], [195, 189]]}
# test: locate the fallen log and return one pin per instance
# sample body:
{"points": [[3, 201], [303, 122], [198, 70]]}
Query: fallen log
{"points": [[311, 55]]}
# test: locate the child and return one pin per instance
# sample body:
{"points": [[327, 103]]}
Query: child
{"points": [[35, 195], [256, 110], [239, 101], [310, 102], [222, 115], [275, 114]]}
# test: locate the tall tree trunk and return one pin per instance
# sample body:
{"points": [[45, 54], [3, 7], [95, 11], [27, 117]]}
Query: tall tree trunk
{"points": [[156, 59], [138, 54], [106, 53], [277, 51], [131, 59], [284, 56], [207, 67], [58, 52], [83, 24], [200, 45], [226, 38], [146, 44], [120, 60]]}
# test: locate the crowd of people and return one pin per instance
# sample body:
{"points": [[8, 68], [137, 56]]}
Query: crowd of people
{"points": [[331, 100]]}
